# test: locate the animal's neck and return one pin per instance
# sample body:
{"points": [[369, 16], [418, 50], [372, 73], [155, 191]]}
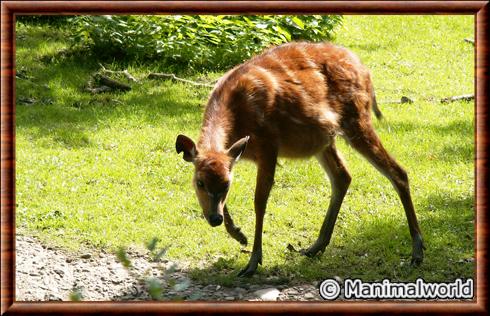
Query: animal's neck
{"points": [[216, 128]]}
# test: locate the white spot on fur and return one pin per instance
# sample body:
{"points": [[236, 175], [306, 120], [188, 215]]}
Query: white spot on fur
{"points": [[328, 116]]}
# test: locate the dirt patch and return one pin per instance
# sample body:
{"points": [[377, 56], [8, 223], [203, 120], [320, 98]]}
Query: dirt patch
{"points": [[49, 274]]}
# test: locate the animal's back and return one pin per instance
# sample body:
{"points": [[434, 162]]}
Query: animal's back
{"points": [[295, 94]]}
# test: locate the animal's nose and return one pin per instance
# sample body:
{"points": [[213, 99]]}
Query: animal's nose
{"points": [[215, 220]]}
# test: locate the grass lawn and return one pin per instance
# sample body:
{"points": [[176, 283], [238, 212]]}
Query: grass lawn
{"points": [[101, 171]]}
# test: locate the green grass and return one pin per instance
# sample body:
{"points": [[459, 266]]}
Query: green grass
{"points": [[101, 171]]}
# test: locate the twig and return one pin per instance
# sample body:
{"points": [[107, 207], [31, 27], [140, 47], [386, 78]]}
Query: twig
{"points": [[464, 97], [402, 100], [106, 81], [98, 89], [469, 40], [156, 75], [125, 72]]}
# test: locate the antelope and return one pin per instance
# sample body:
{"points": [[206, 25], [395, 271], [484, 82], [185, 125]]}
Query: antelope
{"points": [[290, 101]]}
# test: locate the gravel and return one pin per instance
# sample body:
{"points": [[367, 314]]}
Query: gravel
{"points": [[49, 274]]}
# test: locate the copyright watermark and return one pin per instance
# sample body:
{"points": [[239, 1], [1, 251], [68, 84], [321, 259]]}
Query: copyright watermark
{"points": [[330, 289]]}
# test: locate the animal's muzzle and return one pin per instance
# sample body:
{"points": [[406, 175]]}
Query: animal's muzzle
{"points": [[215, 220]]}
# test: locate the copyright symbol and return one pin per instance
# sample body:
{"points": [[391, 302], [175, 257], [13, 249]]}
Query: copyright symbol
{"points": [[329, 289]]}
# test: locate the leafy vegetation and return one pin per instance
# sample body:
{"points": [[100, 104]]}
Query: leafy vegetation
{"points": [[195, 42], [49, 20], [100, 171]]}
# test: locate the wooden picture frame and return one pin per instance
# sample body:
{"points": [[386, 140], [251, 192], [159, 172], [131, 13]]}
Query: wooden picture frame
{"points": [[9, 9]]}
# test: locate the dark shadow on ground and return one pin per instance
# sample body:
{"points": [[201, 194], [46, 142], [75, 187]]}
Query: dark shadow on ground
{"points": [[380, 251], [51, 101]]}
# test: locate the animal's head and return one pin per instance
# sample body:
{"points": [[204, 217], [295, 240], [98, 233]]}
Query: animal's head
{"points": [[212, 174]]}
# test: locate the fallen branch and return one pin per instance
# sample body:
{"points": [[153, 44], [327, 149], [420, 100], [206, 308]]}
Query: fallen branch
{"points": [[98, 89], [156, 75], [124, 72], [402, 100], [116, 85], [464, 97]]}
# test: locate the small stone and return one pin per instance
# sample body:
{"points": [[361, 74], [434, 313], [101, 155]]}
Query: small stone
{"points": [[309, 296], [240, 290], [269, 294], [405, 99], [229, 298], [34, 273], [86, 256], [65, 286], [52, 297], [59, 272]]}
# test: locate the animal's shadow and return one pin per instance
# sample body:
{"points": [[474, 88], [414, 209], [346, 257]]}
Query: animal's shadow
{"points": [[452, 218], [449, 218]]}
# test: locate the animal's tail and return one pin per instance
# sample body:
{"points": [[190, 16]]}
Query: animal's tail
{"points": [[375, 108]]}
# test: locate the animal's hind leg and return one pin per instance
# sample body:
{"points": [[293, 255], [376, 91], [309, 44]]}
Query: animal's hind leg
{"points": [[364, 139], [340, 180]]}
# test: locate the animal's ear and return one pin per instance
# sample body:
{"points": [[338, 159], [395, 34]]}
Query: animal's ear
{"points": [[186, 145], [236, 150]]}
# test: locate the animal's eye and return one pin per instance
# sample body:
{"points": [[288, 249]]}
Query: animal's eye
{"points": [[200, 184]]}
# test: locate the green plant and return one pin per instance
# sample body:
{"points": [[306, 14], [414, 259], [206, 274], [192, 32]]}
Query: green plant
{"points": [[154, 286], [204, 42], [51, 20]]}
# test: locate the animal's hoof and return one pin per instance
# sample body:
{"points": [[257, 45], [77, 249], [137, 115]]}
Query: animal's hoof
{"points": [[247, 272], [238, 236], [307, 252], [417, 257], [417, 252], [242, 239], [251, 267], [416, 261], [313, 250]]}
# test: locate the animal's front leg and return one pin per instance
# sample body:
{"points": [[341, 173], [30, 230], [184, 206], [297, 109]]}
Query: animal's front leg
{"points": [[233, 230], [265, 179]]}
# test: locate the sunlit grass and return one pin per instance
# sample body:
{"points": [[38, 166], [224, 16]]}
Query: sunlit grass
{"points": [[101, 171]]}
